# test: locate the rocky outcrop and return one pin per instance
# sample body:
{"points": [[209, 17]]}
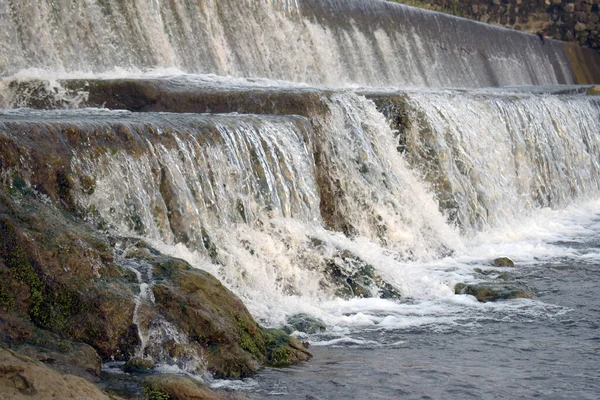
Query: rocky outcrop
{"points": [[353, 277], [568, 20]]}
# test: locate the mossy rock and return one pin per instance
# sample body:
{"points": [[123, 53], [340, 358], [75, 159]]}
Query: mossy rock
{"points": [[593, 91], [66, 356], [52, 273], [93, 301], [138, 365], [486, 292], [304, 323], [216, 319], [503, 262]]}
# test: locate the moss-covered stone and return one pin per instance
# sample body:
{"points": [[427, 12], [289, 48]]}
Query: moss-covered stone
{"points": [[65, 281], [64, 355], [137, 365], [503, 262], [52, 275], [594, 91], [216, 319], [493, 291], [304, 323]]}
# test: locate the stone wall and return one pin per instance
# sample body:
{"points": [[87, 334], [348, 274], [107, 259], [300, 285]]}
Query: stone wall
{"points": [[569, 20]]}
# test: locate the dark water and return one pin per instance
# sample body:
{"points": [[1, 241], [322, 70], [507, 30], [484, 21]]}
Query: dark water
{"points": [[547, 348]]}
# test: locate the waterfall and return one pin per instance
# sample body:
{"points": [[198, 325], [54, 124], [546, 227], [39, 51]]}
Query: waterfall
{"points": [[349, 162], [247, 193], [281, 207], [494, 157], [331, 42], [251, 198]]}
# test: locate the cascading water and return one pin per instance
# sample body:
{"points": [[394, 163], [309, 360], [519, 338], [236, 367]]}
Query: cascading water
{"points": [[244, 193], [307, 204], [517, 153], [332, 42]]}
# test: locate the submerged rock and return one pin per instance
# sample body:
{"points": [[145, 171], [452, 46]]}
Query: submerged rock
{"points": [[304, 323], [493, 291], [353, 277], [504, 262], [138, 364], [493, 272]]}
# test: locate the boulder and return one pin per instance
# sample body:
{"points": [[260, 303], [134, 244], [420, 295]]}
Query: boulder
{"points": [[63, 355], [68, 299], [211, 315], [23, 378], [70, 302], [351, 276], [59, 274]]}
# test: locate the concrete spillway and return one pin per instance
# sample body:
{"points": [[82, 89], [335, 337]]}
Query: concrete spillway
{"points": [[332, 42]]}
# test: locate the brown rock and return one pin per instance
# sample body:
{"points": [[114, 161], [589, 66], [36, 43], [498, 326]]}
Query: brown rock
{"points": [[493, 291], [594, 91], [183, 388], [23, 378]]}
